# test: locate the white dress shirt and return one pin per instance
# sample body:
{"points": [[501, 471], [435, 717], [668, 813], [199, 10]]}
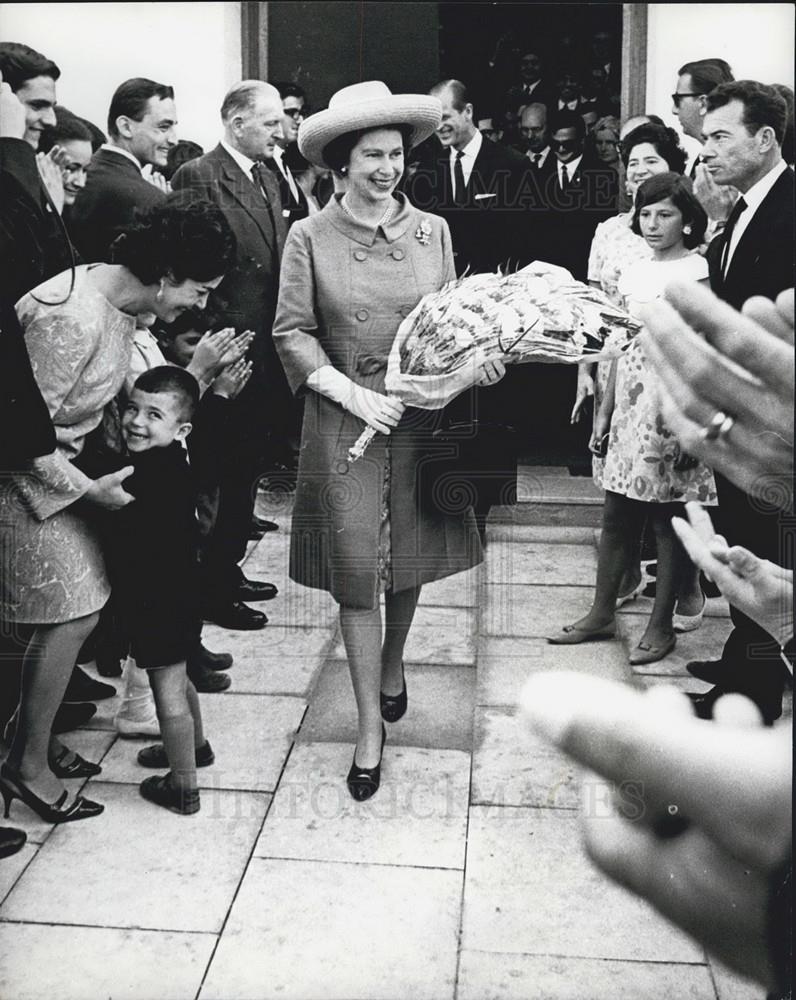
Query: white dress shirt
{"points": [[123, 152], [571, 168], [241, 159], [470, 151], [284, 170], [572, 105], [542, 157], [753, 198]]}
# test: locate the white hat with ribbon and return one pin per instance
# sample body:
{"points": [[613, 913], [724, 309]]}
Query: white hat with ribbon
{"points": [[363, 106]]}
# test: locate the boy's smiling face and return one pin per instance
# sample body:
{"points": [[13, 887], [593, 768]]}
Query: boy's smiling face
{"points": [[153, 420]]}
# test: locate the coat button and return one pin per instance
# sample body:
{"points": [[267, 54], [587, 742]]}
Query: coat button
{"points": [[398, 254], [361, 315], [360, 255]]}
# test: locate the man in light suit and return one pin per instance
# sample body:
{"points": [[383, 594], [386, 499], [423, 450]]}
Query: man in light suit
{"points": [[743, 128], [234, 176], [142, 122]]}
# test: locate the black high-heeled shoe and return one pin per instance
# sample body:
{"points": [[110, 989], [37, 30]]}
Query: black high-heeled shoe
{"points": [[78, 767], [363, 782], [393, 707], [12, 787]]}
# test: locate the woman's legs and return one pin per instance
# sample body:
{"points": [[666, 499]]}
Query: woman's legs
{"points": [[672, 570], [362, 637], [399, 610], [176, 723], [621, 529], [50, 657]]}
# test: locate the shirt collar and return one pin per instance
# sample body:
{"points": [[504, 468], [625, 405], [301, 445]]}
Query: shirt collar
{"points": [[571, 167], [757, 192], [542, 155], [241, 159], [473, 147], [123, 152], [361, 232]]}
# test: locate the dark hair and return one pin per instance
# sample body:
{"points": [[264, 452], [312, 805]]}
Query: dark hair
{"points": [[68, 127], [96, 135], [288, 89], [295, 162], [665, 140], [179, 238], [786, 94], [762, 105], [338, 152], [706, 74], [20, 63], [679, 189], [174, 380], [567, 119], [131, 99], [180, 153]]}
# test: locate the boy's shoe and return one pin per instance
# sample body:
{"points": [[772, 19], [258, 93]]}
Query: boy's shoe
{"points": [[206, 680], [132, 729], [156, 756], [158, 789], [203, 657]]}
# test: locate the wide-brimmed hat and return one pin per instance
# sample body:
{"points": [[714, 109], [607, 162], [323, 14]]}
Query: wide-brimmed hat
{"points": [[367, 105]]}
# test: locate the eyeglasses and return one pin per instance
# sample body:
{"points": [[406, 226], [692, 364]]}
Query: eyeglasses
{"points": [[296, 113], [564, 143], [677, 98]]}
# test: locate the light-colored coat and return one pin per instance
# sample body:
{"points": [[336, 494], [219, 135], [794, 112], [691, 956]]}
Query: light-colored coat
{"points": [[344, 290]]}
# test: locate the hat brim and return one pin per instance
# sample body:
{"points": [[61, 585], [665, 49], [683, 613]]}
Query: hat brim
{"points": [[422, 112]]}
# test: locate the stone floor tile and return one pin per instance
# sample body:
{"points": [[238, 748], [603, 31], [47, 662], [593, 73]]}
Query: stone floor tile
{"points": [[251, 736], [89, 963], [418, 817], [269, 559], [141, 866], [572, 535], [490, 976], [505, 664], [543, 563], [440, 713], [10, 870], [369, 932], [546, 486], [530, 888], [297, 607], [511, 767], [715, 607], [706, 643], [91, 744], [438, 635], [458, 591], [732, 986], [275, 660], [532, 610]]}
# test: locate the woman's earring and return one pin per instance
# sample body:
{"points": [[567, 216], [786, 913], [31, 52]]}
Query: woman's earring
{"points": [[343, 170], [687, 230]]}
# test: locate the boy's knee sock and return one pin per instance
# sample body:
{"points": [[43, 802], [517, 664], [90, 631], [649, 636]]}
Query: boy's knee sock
{"points": [[196, 714], [177, 733]]}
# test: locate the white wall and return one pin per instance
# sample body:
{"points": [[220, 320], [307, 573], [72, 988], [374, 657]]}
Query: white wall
{"points": [[756, 39], [194, 47]]}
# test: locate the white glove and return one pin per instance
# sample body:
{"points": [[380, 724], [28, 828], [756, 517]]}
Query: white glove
{"points": [[377, 410]]}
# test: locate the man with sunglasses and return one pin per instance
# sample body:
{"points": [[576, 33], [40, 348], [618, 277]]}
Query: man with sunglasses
{"points": [[294, 203], [695, 80]]}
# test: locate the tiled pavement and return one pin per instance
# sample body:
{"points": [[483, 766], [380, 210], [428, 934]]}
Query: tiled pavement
{"points": [[463, 878]]}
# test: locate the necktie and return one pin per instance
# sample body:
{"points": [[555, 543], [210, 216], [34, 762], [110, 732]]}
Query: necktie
{"points": [[460, 194], [259, 172], [737, 209], [564, 179], [536, 159]]}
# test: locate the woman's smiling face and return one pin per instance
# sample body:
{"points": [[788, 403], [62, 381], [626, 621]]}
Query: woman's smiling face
{"points": [[376, 164]]}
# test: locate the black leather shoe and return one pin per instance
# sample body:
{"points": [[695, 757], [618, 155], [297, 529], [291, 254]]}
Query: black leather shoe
{"points": [[363, 782], [155, 756], [11, 841], [236, 615], [72, 715], [83, 687], [710, 671], [256, 590], [263, 524], [393, 707], [703, 704], [206, 680], [158, 789], [210, 661]]}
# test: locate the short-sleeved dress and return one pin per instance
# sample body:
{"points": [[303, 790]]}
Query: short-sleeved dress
{"points": [[344, 290], [614, 249], [79, 349], [642, 451]]}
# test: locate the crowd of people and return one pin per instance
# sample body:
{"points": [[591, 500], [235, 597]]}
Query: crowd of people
{"points": [[178, 324]]}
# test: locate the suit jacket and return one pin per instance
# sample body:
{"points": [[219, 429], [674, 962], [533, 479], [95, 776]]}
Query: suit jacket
{"points": [[484, 229], [763, 260], [114, 190], [293, 209]]}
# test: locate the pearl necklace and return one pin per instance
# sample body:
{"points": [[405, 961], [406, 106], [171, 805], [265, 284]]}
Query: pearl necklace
{"points": [[382, 221]]}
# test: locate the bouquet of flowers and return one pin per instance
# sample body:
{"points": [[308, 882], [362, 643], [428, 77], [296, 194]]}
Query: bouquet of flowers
{"points": [[538, 314]]}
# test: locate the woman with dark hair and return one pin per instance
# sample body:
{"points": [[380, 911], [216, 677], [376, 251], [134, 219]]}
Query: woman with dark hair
{"points": [[350, 274], [646, 474], [73, 142], [79, 342]]}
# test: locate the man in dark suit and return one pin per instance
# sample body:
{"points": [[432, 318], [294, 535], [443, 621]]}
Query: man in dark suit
{"points": [[294, 203], [695, 80], [235, 177], [743, 128], [142, 122]]}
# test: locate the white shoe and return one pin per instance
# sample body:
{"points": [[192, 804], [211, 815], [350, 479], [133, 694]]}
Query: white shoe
{"points": [[688, 623], [624, 599], [132, 729]]}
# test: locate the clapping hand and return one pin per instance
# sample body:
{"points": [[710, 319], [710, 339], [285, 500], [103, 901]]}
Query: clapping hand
{"points": [[155, 178], [232, 379], [217, 349], [49, 165], [759, 588], [12, 113], [716, 199]]}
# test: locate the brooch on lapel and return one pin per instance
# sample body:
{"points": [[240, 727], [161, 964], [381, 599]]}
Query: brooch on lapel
{"points": [[423, 232]]}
